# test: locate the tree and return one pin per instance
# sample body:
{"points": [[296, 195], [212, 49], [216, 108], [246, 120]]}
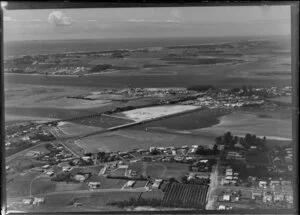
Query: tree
{"points": [[184, 180], [172, 180], [228, 138], [219, 140], [215, 149]]}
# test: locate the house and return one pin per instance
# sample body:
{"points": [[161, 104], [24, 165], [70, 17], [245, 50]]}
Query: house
{"points": [[133, 173], [66, 168], [256, 194], [235, 197], [191, 176], [278, 197], [221, 207], [46, 166], [228, 174], [290, 167], [94, 185], [262, 184], [80, 178], [189, 158], [289, 198], [151, 149], [27, 201], [156, 183], [225, 182], [178, 158], [274, 183], [228, 177], [267, 197], [38, 200], [123, 166], [50, 173], [86, 158], [286, 183], [226, 197]]}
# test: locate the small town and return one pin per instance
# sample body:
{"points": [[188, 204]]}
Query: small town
{"points": [[234, 172]]}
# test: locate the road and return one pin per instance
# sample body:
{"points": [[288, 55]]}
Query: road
{"points": [[212, 187]]}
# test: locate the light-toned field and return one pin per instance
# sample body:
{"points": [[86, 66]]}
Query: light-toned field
{"points": [[154, 112], [76, 129], [126, 139], [241, 123]]}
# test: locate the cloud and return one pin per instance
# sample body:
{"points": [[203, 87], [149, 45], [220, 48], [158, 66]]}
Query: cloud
{"points": [[58, 18]]}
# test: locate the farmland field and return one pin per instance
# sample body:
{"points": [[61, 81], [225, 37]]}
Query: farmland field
{"points": [[127, 139], [186, 195], [243, 122], [160, 170]]}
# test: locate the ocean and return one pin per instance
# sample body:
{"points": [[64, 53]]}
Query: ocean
{"points": [[17, 48]]}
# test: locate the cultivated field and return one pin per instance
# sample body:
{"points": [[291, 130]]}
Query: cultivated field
{"points": [[186, 195]]}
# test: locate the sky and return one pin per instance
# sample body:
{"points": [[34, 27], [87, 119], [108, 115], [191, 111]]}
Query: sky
{"points": [[62, 24]]}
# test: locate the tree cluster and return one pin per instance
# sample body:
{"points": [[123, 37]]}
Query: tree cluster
{"points": [[106, 157], [137, 202], [202, 151]]}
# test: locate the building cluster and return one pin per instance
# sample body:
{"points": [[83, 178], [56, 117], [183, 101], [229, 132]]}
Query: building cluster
{"points": [[20, 138], [67, 70], [281, 160], [146, 92], [271, 197], [56, 155]]}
